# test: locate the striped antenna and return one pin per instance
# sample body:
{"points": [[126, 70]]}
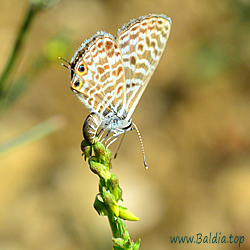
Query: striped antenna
{"points": [[142, 147]]}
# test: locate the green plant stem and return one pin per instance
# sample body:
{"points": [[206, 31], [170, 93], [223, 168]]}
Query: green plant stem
{"points": [[110, 193], [16, 48], [113, 224]]}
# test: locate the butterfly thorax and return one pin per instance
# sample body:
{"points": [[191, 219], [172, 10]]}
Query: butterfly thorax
{"points": [[110, 123], [113, 122]]}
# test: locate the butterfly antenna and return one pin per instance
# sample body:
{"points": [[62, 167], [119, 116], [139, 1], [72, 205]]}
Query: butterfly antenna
{"points": [[119, 145], [142, 147], [64, 60], [66, 66]]}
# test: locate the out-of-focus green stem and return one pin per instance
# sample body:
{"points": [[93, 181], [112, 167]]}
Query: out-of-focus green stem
{"points": [[16, 48], [35, 133]]}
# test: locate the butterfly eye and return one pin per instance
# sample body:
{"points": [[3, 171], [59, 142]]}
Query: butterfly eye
{"points": [[82, 69]]}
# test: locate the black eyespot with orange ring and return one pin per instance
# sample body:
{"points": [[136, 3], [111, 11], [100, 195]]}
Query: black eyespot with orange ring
{"points": [[82, 69], [76, 85]]}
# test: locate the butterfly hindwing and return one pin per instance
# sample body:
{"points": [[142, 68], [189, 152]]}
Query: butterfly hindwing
{"points": [[102, 84]]}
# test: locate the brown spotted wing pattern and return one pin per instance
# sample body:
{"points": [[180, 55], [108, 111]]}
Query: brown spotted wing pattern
{"points": [[101, 85], [109, 74], [142, 42]]}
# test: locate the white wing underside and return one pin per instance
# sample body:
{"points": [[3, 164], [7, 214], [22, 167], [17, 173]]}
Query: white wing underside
{"points": [[142, 42]]}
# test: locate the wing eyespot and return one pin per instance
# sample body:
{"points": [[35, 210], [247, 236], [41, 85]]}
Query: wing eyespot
{"points": [[76, 85], [82, 69]]}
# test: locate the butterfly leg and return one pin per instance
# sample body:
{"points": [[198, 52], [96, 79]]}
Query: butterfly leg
{"points": [[110, 140], [119, 145], [105, 137], [115, 137], [100, 134]]}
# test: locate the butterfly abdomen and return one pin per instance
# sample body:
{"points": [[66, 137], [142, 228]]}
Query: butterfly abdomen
{"points": [[90, 127]]}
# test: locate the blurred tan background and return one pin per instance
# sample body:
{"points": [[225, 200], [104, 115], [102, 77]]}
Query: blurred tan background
{"points": [[193, 116]]}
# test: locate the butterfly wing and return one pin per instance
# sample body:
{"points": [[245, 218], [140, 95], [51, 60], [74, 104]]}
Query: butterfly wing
{"points": [[142, 42], [97, 74]]}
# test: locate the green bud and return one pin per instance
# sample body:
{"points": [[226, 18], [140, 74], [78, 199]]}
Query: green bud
{"points": [[98, 168], [114, 181], [115, 209], [109, 200], [124, 242], [125, 214], [115, 192], [100, 207], [99, 149], [94, 159], [86, 149], [114, 187], [107, 159], [119, 195], [128, 244]]}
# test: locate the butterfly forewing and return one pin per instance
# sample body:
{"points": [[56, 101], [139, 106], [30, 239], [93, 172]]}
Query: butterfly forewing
{"points": [[142, 42], [103, 85]]}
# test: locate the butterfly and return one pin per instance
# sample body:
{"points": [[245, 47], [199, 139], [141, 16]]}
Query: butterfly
{"points": [[109, 74]]}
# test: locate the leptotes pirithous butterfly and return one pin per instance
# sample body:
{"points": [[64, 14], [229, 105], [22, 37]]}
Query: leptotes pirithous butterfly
{"points": [[109, 74]]}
